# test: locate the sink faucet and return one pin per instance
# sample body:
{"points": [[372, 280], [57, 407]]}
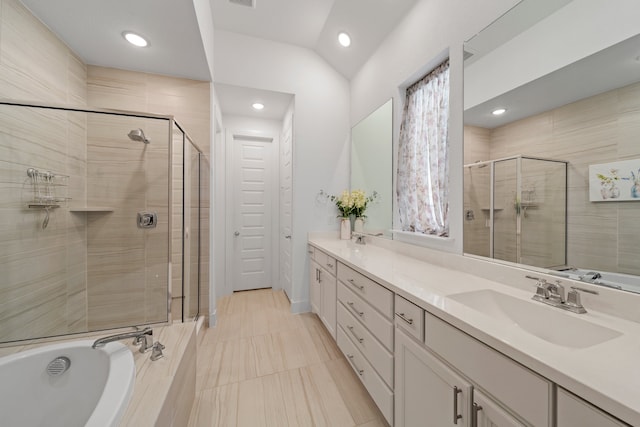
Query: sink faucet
{"points": [[144, 337], [359, 238], [553, 294]]}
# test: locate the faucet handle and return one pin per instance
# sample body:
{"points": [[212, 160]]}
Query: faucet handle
{"points": [[574, 303], [157, 351]]}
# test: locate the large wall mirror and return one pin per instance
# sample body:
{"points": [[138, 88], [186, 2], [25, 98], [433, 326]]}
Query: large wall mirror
{"points": [[552, 140], [371, 166]]}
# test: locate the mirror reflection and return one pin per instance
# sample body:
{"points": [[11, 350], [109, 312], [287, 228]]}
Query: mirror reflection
{"points": [[566, 111], [371, 165]]}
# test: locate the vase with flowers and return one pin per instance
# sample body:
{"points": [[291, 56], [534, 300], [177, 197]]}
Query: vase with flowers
{"points": [[344, 203], [360, 202]]}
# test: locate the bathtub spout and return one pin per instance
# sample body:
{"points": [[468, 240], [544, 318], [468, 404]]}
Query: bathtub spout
{"points": [[143, 337]]}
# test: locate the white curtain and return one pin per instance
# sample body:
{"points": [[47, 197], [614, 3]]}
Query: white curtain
{"points": [[423, 164]]}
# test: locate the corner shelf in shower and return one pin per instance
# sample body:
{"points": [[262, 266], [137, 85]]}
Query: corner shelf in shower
{"points": [[89, 209]]}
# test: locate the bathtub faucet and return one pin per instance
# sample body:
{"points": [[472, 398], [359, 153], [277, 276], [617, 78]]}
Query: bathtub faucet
{"points": [[144, 337]]}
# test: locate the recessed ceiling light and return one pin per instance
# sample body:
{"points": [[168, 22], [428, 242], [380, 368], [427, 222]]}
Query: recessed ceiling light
{"points": [[344, 39], [258, 106], [499, 111], [135, 39]]}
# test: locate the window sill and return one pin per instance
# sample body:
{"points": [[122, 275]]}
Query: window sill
{"points": [[425, 240]]}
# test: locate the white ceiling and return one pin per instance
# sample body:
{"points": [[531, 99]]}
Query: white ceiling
{"points": [[235, 100], [93, 29]]}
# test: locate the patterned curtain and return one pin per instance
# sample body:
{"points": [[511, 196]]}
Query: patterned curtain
{"points": [[423, 166]]}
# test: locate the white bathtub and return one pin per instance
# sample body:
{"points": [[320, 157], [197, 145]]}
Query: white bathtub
{"points": [[94, 391]]}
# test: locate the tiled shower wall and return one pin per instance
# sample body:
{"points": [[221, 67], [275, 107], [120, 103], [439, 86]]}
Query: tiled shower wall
{"points": [[600, 129], [187, 100], [35, 66], [36, 264]]}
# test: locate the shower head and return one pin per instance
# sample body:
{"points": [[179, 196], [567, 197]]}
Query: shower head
{"points": [[138, 135]]}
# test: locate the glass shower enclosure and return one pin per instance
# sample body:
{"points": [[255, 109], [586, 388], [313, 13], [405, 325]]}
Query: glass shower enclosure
{"points": [[515, 209], [93, 210]]}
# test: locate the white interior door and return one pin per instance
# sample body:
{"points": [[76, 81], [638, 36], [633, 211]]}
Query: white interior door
{"points": [[252, 195], [286, 190]]}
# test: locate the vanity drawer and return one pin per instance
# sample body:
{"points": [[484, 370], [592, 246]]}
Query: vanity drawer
{"points": [[376, 295], [376, 354], [376, 323], [524, 392], [376, 387], [410, 317], [325, 261]]}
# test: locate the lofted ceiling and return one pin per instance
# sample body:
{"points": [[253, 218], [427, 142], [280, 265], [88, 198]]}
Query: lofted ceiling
{"points": [[93, 30]]}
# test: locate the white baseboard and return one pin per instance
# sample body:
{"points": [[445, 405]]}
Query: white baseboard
{"points": [[213, 319], [300, 307]]}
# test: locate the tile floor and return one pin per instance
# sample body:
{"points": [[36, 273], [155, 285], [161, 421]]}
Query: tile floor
{"points": [[263, 366]]}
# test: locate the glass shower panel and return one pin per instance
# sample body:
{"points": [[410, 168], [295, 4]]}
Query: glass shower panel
{"points": [[127, 220], [477, 212], [505, 210], [543, 213], [72, 258]]}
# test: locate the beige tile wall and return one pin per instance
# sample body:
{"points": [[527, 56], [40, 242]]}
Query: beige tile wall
{"points": [[603, 128], [50, 265], [38, 264], [127, 266], [476, 191], [189, 102]]}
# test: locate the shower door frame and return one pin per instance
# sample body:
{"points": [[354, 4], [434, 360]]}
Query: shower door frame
{"points": [[518, 159]]}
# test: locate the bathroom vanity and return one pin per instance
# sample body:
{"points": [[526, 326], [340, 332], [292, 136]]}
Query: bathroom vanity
{"points": [[433, 340]]}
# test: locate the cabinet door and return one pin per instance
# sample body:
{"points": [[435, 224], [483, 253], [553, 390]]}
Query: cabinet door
{"points": [[575, 412], [314, 286], [489, 414], [427, 393], [329, 301]]}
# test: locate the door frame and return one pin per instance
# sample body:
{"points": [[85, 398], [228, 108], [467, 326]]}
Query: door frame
{"points": [[266, 136]]}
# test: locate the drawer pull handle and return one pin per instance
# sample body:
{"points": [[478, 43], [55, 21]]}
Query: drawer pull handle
{"points": [[401, 315], [353, 282], [456, 416], [354, 334], [329, 265], [359, 313], [360, 371], [476, 408]]}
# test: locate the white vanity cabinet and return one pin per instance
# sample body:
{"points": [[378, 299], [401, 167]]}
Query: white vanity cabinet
{"points": [[365, 334], [520, 391], [427, 393], [485, 412], [575, 412], [322, 288]]}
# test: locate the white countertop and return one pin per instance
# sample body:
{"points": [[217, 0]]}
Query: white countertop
{"points": [[606, 374]]}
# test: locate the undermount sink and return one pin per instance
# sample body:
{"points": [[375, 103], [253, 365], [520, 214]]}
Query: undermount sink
{"points": [[548, 323]]}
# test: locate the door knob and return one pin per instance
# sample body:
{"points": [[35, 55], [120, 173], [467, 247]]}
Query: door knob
{"points": [[237, 233]]}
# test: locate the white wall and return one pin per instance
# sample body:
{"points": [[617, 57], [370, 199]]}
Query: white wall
{"points": [[413, 48], [321, 129]]}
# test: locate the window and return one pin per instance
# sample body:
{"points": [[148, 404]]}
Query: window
{"points": [[423, 164]]}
